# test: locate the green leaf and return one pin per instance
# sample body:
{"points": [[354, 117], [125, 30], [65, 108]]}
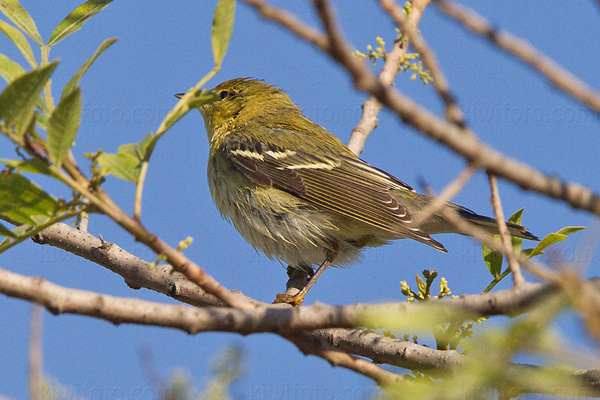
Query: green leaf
{"points": [[222, 28], [74, 21], [24, 201], [554, 238], [121, 165], [19, 98], [421, 285], [6, 232], [492, 259], [517, 242], [20, 41], [77, 77], [546, 242], [33, 165], [126, 164], [527, 252], [517, 217], [63, 126], [202, 98], [567, 230], [40, 119], [17, 14], [138, 150], [9, 70]]}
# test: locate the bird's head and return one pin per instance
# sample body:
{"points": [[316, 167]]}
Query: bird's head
{"points": [[245, 101]]}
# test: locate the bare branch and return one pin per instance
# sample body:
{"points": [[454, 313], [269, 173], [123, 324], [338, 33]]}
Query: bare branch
{"points": [[308, 345], [468, 146], [524, 51], [291, 23], [284, 321], [484, 237], [453, 112], [387, 350], [135, 271], [448, 193], [417, 357], [58, 299], [515, 268], [371, 108], [36, 357]]}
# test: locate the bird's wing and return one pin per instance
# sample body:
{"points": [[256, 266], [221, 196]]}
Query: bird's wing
{"points": [[339, 183]]}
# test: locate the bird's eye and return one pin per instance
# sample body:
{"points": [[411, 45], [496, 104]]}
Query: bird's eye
{"points": [[223, 94]]}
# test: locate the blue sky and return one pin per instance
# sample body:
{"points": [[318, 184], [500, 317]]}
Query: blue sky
{"points": [[164, 49]]}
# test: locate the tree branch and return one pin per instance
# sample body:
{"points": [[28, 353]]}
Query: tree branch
{"points": [[284, 321], [136, 272], [36, 356], [515, 268], [371, 108], [468, 146], [308, 344], [61, 300], [524, 51], [330, 345], [453, 112]]}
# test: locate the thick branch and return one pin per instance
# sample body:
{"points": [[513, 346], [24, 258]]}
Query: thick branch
{"points": [[135, 271], [60, 300], [332, 345], [310, 344]]}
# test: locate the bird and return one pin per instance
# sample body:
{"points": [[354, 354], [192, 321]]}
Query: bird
{"points": [[297, 193]]}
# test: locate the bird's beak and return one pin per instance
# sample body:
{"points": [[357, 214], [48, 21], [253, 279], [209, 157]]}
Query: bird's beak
{"points": [[179, 95]]}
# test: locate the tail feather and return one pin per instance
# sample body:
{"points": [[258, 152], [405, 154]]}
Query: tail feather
{"points": [[491, 225]]}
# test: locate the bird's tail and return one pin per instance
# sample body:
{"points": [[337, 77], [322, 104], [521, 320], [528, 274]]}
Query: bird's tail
{"points": [[491, 225], [438, 224]]}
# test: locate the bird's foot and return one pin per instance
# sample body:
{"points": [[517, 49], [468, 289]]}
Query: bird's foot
{"points": [[293, 300]]}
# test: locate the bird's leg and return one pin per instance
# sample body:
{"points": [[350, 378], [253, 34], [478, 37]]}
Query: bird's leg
{"points": [[298, 298], [298, 277]]}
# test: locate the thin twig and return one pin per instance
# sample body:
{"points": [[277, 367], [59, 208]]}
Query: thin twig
{"points": [[84, 220], [371, 108], [524, 51], [290, 21], [139, 191], [36, 374], [453, 112], [448, 193], [484, 237], [515, 268]]}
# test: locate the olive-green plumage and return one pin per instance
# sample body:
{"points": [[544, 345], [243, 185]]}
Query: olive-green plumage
{"points": [[297, 193]]}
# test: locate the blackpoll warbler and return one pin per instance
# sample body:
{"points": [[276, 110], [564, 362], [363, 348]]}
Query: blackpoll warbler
{"points": [[297, 193]]}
